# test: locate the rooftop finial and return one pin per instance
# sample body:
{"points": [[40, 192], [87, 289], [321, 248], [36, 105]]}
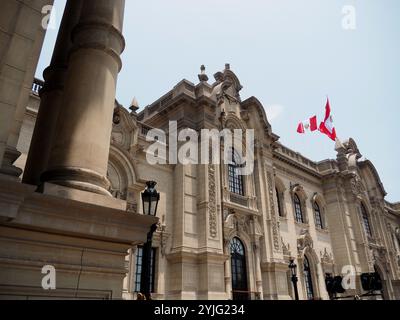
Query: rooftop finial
{"points": [[203, 76], [134, 105], [227, 66]]}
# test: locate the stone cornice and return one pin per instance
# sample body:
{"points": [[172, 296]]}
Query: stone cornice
{"points": [[296, 164]]}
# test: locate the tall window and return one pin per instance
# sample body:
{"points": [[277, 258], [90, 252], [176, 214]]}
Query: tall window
{"points": [[139, 265], [318, 217], [297, 209], [278, 198], [308, 279], [236, 181], [239, 270], [365, 219]]}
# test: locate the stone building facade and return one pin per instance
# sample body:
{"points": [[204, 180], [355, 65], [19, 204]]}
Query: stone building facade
{"points": [[59, 215], [327, 215], [220, 235]]}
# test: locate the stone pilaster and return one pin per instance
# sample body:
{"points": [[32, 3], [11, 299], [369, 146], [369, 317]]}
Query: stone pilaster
{"points": [[51, 97], [257, 262], [21, 38], [79, 155]]}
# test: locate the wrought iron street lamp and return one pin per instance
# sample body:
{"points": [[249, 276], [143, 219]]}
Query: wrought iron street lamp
{"points": [[150, 198], [293, 271]]}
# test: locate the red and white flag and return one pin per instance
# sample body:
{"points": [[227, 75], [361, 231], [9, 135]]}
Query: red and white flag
{"points": [[308, 125], [327, 127]]}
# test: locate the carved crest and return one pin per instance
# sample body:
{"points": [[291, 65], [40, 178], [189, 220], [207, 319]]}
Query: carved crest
{"points": [[326, 257], [357, 186]]}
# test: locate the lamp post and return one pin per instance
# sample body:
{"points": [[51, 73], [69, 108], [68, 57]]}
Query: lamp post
{"points": [[293, 271], [150, 198]]}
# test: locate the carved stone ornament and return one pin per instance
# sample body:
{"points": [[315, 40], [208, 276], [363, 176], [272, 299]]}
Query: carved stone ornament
{"points": [[161, 230], [304, 240], [371, 257], [274, 220], [357, 186], [236, 223], [242, 224], [212, 201], [257, 228], [326, 257], [286, 248]]}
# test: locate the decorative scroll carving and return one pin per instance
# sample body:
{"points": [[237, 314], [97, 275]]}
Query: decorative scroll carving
{"points": [[236, 223], [304, 240], [258, 232], [241, 224], [212, 201], [274, 222]]}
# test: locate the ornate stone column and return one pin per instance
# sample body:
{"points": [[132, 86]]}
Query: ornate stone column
{"points": [[51, 96], [79, 155]]}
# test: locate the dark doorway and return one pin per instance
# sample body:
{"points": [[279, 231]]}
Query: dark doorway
{"points": [[240, 287], [308, 279]]}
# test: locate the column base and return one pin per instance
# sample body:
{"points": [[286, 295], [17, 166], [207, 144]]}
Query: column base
{"points": [[78, 178], [8, 168]]}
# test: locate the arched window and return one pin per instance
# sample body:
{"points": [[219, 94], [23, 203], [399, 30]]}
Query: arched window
{"points": [[318, 216], [297, 209], [239, 270], [236, 180], [308, 279], [279, 201], [365, 218]]}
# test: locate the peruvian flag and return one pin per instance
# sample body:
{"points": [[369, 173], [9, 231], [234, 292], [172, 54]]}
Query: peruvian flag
{"points": [[327, 127], [308, 125]]}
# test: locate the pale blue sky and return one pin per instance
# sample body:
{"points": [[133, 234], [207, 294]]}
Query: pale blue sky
{"points": [[289, 54]]}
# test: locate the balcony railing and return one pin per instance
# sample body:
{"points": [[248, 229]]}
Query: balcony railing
{"points": [[238, 199], [37, 85], [144, 130]]}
